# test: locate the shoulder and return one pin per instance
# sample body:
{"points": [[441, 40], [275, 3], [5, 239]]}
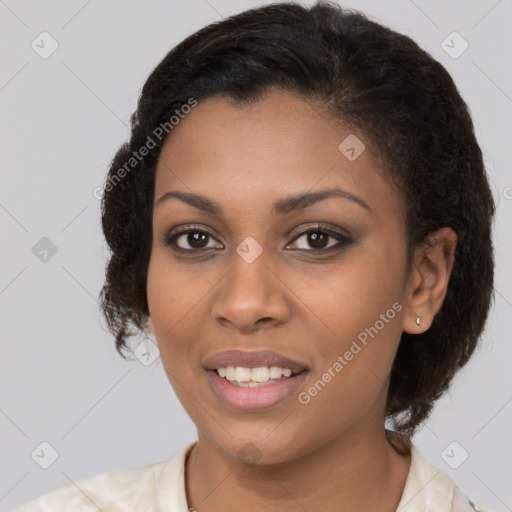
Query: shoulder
{"points": [[428, 484], [104, 491], [138, 489], [461, 503]]}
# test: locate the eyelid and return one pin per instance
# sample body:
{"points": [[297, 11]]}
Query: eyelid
{"points": [[326, 228], [342, 237]]}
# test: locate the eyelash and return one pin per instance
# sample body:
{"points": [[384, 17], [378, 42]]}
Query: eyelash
{"points": [[343, 240]]}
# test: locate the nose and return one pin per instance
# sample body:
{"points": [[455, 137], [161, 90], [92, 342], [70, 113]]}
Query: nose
{"points": [[252, 296]]}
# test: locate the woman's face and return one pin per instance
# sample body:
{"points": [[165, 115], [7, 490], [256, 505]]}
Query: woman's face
{"points": [[256, 282]]}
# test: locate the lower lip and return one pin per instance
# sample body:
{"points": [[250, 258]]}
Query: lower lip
{"points": [[254, 399]]}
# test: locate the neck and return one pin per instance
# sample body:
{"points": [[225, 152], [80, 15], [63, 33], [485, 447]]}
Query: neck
{"points": [[356, 471]]}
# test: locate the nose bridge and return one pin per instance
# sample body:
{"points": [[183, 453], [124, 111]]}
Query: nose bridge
{"points": [[249, 278], [251, 290]]}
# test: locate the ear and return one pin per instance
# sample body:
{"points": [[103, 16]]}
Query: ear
{"points": [[428, 281]]}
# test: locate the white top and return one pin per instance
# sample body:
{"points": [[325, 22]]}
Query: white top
{"points": [[160, 487]]}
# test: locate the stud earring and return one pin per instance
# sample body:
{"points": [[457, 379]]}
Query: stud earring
{"points": [[418, 320]]}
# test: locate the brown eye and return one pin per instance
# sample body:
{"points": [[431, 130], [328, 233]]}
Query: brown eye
{"points": [[195, 240], [318, 239], [191, 240]]}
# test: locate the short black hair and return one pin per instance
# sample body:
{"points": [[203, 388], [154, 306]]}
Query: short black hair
{"points": [[370, 78]]}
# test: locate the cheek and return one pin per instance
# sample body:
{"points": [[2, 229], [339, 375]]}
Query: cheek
{"points": [[349, 296], [359, 310], [172, 289], [177, 298], [353, 373], [167, 301], [373, 281]]}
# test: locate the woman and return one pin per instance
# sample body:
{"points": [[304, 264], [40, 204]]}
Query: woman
{"points": [[302, 218]]}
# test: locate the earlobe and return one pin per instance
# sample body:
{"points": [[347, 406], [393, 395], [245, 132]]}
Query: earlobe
{"points": [[417, 327], [428, 283]]}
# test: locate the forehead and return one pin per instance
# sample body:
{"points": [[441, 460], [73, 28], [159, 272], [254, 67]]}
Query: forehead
{"points": [[249, 156]]}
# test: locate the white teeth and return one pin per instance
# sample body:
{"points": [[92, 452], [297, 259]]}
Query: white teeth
{"points": [[275, 372], [261, 374], [242, 374], [253, 376]]}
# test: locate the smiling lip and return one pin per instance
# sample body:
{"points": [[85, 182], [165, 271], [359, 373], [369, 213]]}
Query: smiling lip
{"points": [[254, 399], [252, 360]]}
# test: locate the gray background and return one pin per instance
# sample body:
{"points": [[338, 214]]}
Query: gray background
{"points": [[62, 120]]}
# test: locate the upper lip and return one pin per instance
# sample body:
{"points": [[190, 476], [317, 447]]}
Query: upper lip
{"points": [[252, 360]]}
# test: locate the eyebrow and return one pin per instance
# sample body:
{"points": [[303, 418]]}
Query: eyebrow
{"points": [[283, 206]]}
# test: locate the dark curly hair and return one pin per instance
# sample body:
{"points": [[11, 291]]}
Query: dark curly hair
{"points": [[368, 77]]}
